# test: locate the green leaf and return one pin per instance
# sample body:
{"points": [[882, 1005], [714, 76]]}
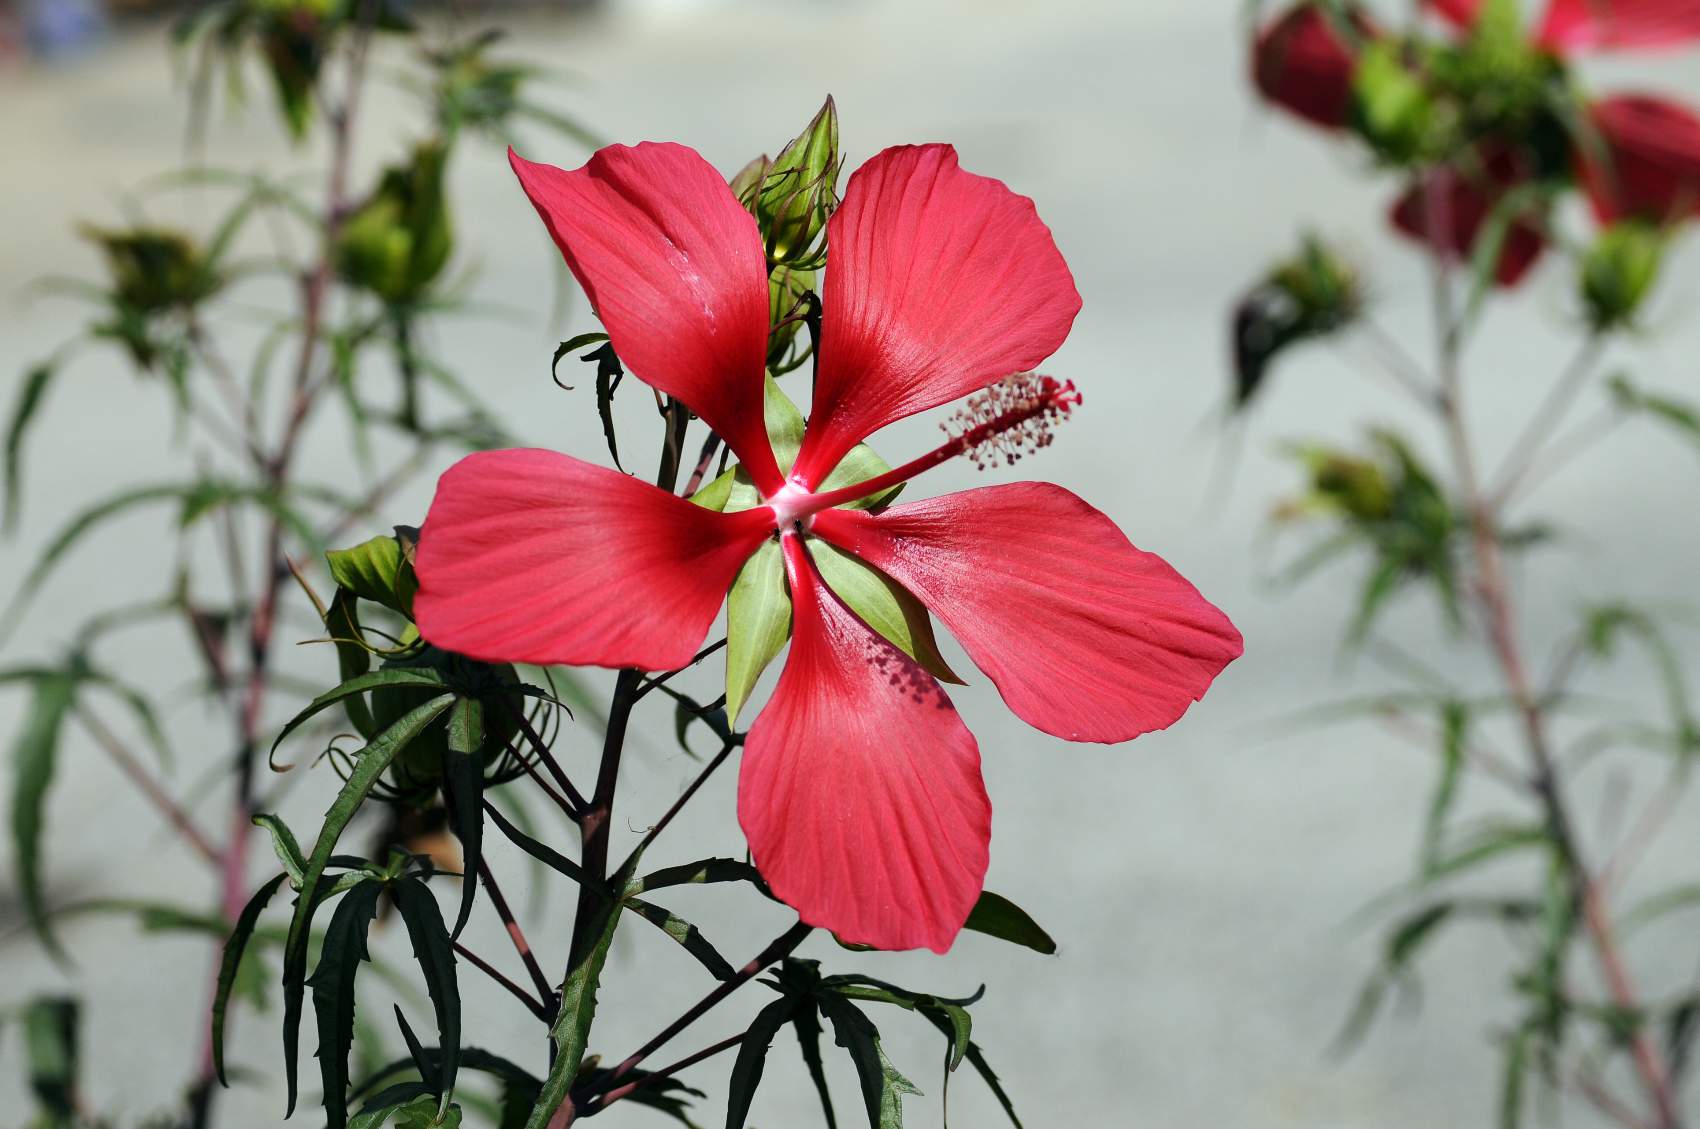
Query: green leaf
{"points": [[1454, 733], [608, 374], [997, 916], [423, 676], [570, 1033], [376, 570], [571, 345], [1679, 414], [718, 492], [977, 1059], [368, 767], [342, 621], [51, 1048], [883, 1086], [34, 754], [284, 844], [463, 792], [805, 1022], [343, 950], [406, 1104], [434, 951], [704, 870], [758, 621], [748, 1067], [548, 856], [30, 397], [686, 934], [883, 604], [231, 962]]}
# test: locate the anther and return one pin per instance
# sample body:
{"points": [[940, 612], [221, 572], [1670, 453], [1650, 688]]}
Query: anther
{"points": [[1012, 418]]}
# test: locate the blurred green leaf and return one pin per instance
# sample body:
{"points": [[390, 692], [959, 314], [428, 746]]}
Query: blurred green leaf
{"points": [[34, 756], [30, 397], [52, 1053]]}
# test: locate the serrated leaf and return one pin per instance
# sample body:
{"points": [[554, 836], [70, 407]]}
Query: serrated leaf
{"points": [[368, 767], [883, 1086], [231, 963], [997, 916], [463, 793], [805, 1022], [748, 1067], [608, 375], [288, 850], [570, 1033], [883, 604], [34, 757], [688, 936], [704, 870], [434, 951], [758, 621], [571, 345], [400, 1103], [340, 956], [30, 396], [421, 676]]}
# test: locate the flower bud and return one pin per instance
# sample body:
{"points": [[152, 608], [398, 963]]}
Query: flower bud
{"points": [[786, 287], [798, 191], [1618, 271], [1392, 109], [1314, 293], [154, 268], [1302, 61], [397, 241], [1340, 483], [1641, 159]]}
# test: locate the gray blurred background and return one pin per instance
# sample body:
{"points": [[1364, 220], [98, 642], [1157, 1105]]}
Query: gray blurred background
{"points": [[1202, 883]]}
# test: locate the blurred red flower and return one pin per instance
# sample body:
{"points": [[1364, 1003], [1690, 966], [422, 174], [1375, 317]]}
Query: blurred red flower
{"points": [[1303, 63], [1645, 163]]}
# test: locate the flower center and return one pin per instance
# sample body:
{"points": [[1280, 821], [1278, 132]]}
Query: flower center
{"points": [[1011, 418]]}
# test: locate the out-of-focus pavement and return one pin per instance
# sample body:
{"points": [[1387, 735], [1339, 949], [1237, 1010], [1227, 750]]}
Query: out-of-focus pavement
{"points": [[1201, 882]]}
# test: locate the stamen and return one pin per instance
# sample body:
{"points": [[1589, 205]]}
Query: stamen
{"points": [[1012, 418]]}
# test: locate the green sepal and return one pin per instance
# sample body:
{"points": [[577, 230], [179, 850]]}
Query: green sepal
{"points": [[884, 605], [758, 621], [376, 570]]}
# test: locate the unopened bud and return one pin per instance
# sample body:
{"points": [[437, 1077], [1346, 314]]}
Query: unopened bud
{"points": [[399, 239], [1310, 295], [1348, 484], [1302, 61], [1618, 271], [154, 268], [799, 190], [1391, 107]]}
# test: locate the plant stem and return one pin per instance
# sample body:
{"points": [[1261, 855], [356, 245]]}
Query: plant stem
{"points": [[610, 1097], [532, 1003], [1499, 617], [151, 788], [250, 715], [779, 948], [1548, 416], [515, 933], [579, 804]]}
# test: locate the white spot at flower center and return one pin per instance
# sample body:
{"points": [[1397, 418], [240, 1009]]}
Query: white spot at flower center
{"points": [[791, 504]]}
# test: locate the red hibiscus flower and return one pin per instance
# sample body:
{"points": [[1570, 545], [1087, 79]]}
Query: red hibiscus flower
{"points": [[1302, 63], [1569, 26], [1645, 159], [1566, 28], [1451, 205], [860, 789]]}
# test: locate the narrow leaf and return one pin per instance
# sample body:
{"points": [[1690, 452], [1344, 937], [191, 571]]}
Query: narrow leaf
{"points": [[997, 916], [340, 956], [747, 1068], [434, 951], [231, 962]]}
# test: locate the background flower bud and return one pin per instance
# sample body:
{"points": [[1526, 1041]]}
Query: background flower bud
{"points": [[154, 268], [1641, 159], [1618, 271], [397, 241], [1303, 62], [1392, 109], [1314, 293]]}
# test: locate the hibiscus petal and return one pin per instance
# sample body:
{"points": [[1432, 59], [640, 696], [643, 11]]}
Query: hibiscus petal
{"points": [[1302, 63], [1571, 25], [674, 266], [1086, 637], [940, 283], [860, 791], [1469, 199], [533, 556], [1648, 163]]}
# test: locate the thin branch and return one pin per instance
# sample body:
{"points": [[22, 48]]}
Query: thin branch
{"points": [[532, 1003], [1551, 412], [610, 1097], [661, 679], [151, 788], [779, 948], [684, 798], [515, 933], [709, 446], [579, 805]]}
